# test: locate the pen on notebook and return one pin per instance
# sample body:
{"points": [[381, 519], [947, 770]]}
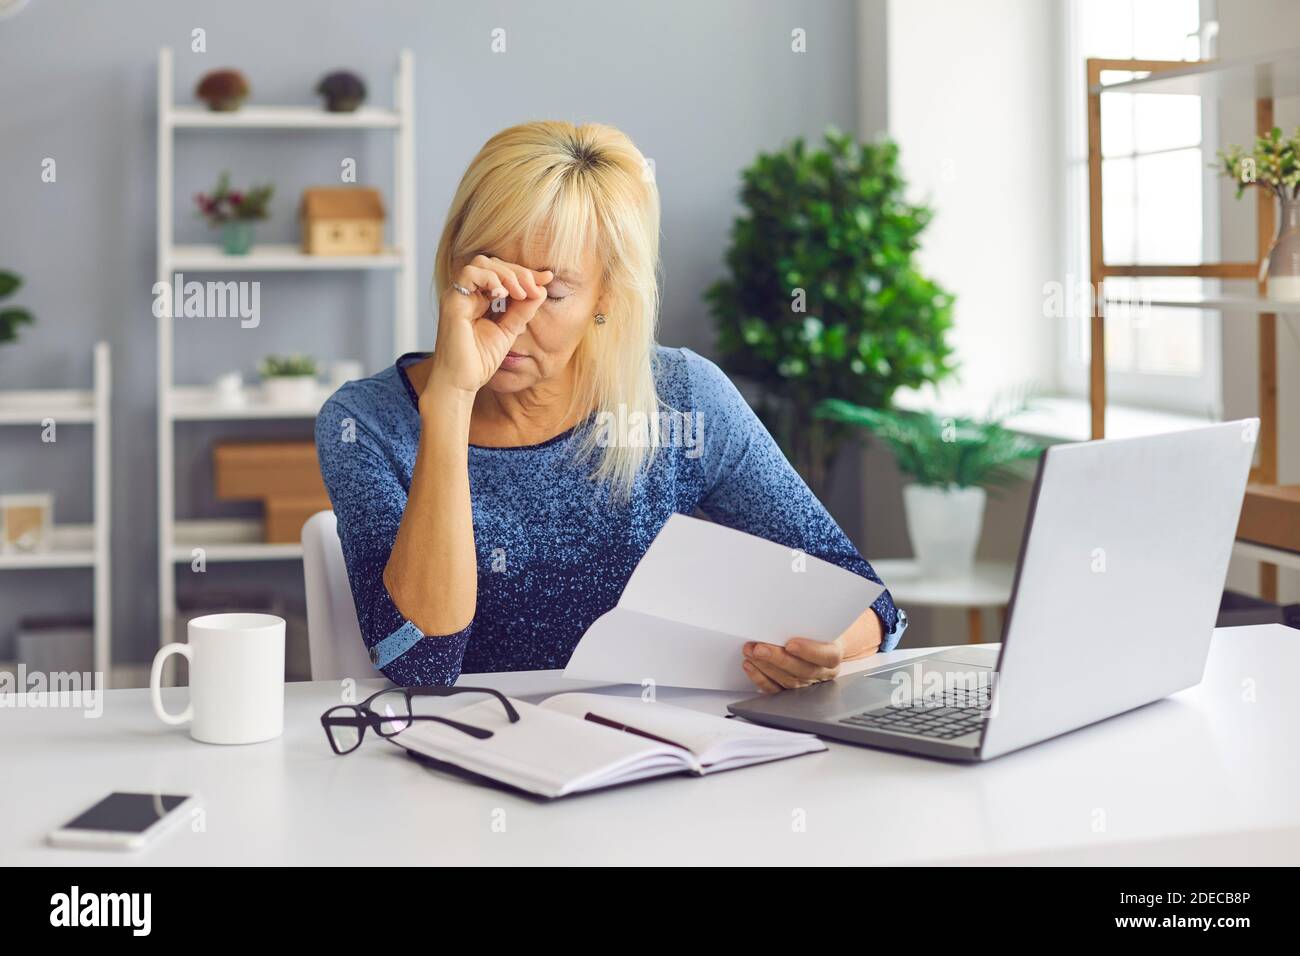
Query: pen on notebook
{"points": [[606, 722]]}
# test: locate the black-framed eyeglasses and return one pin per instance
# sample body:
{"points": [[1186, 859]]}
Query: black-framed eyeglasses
{"points": [[390, 711]]}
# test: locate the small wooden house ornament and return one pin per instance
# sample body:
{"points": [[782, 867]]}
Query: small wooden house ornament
{"points": [[342, 221], [26, 523]]}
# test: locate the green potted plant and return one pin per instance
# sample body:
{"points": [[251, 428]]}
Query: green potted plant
{"points": [[823, 298], [288, 379], [11, 316], [234, 211], [1273, 164], [951, 461]]}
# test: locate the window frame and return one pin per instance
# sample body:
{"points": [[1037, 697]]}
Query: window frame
{"points": [[1201, 393]]}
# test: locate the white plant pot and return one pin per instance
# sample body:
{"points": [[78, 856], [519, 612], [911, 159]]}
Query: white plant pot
{"points": [[944, 525], [1284, 288], [290, 389]]}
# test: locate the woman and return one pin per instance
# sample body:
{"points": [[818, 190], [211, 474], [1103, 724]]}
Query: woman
{"points": [[494, 496]]}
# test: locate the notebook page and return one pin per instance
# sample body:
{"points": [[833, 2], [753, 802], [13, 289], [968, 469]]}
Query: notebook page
{"points": [[545, 752], [715, 741]]}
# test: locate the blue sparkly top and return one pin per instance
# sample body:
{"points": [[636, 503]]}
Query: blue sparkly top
{"points": [[554, 552]]}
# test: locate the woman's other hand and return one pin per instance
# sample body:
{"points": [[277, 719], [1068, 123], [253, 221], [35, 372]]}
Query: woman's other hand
{"points": [[476, 331], [801, 661]]}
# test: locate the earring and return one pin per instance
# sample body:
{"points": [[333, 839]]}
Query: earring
{"points": [[600, 318]]}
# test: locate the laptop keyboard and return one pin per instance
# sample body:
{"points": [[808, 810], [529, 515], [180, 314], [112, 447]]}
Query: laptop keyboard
{"points": [[942, 717]]}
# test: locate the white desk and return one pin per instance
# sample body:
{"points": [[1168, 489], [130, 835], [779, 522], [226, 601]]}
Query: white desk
{"points": [[1206, 776]]}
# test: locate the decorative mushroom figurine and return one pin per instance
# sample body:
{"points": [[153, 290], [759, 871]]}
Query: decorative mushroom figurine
{"points": [[223, 90], [343, 91]]}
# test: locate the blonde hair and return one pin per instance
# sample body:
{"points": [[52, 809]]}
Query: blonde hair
{"points": [[560, 188]]}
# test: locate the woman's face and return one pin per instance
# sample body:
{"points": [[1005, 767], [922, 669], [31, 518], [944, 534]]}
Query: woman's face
{"points": [[547, 345]]}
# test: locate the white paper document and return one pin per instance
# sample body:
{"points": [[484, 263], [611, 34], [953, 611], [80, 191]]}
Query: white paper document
{"points": [[702, 591]]}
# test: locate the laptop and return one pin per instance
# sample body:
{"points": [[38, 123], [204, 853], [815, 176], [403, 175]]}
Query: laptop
{"points": [[1116, 593]]}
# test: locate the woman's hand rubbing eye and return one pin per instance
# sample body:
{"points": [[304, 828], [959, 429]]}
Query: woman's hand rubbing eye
{"points": [[485, 308]]}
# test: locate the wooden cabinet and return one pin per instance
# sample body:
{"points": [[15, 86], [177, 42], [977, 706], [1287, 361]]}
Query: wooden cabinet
{"points": [[283, 475]]}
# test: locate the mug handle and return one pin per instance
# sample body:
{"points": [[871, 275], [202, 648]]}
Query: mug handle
{"points": [[155, 684]]}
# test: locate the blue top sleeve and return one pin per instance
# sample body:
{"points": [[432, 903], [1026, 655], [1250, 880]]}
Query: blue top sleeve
{"points": [[369, 498]]}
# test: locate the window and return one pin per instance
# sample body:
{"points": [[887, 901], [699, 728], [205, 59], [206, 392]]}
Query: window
{"points": [[1159, 207]]}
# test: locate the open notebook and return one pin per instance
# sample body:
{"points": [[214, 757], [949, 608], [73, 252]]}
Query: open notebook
{"points": [[575, 742]]}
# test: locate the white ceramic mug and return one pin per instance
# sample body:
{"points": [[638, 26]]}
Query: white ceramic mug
{"points": [[229, 389], [236, 678]]}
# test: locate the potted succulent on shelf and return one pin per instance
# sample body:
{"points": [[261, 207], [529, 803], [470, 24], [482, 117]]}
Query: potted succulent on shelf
{"points": [[235, 212], [1274, 163], [951, 461], [11, 316], [223, 90], [344, 91], [288, 379]]}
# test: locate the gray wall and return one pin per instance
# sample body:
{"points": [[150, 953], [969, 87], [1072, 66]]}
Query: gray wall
{"points": [[700, 86]]}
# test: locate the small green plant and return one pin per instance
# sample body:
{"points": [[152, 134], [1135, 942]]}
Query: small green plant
{"points": [[1273, 163], [233, 205], [823, 297], [287, 366], [942, 452], [11, 317]]}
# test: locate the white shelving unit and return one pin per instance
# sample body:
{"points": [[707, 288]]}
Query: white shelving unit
{"points": [[1245, 304], [75, 545], [284, 117], [275, 257], [75, 406], [1261, 76], [234, 539], [198, 403], [241, 540], [1253, 82]]}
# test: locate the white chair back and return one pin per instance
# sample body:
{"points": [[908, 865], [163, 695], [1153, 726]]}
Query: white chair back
{"points": [[333, 634]]}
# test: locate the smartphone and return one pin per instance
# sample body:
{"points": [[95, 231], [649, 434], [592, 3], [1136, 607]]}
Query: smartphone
{"points": [[123, 821]]}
